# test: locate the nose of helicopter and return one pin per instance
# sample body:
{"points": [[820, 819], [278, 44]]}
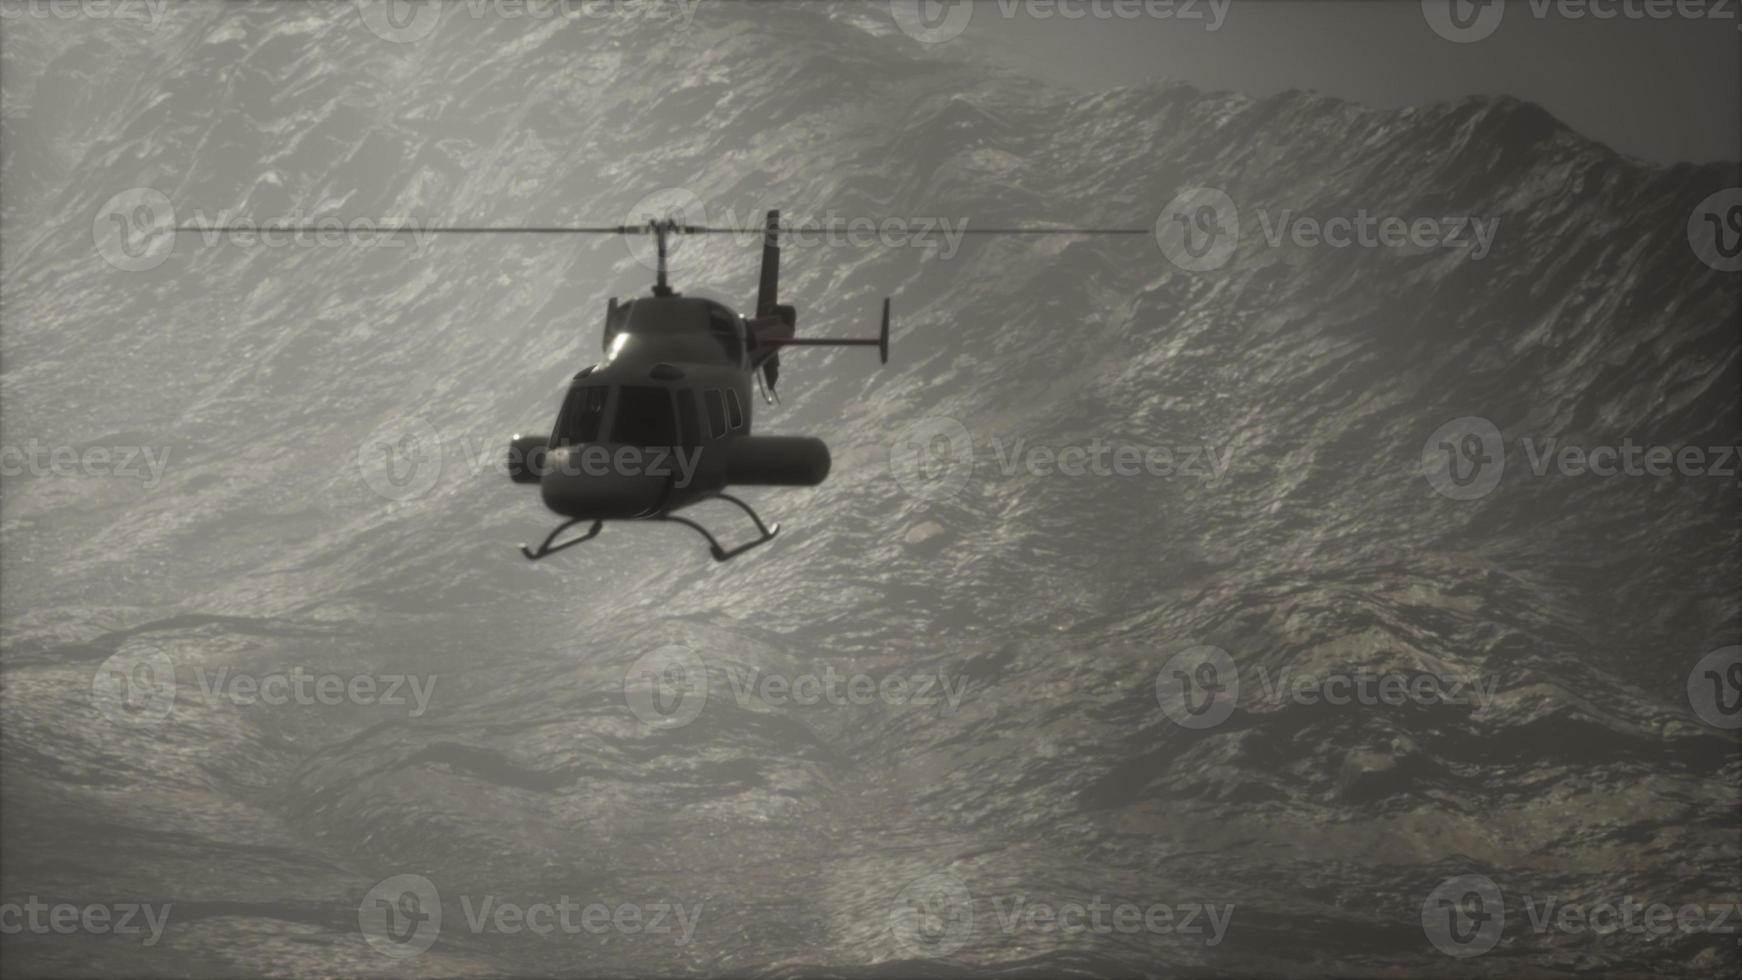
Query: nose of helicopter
{"points": [[601, 481]]}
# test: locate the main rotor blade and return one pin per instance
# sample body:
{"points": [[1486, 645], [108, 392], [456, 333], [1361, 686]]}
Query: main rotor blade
{"points": [[416, 230], [965, 230], [625, 230], [1057, 231]]}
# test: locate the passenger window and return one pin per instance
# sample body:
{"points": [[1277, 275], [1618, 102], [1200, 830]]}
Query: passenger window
{"points": [[716, 412], [736, 410]]}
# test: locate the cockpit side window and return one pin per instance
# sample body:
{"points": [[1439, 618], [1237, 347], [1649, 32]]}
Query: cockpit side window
{"points": [[734, 410], [581, 415], [645, 417]]}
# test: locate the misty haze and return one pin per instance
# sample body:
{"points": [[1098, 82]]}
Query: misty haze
{"points": [[808, 488]]}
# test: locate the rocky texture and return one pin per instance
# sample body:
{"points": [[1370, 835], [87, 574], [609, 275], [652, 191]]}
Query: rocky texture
{"points": [[1052, 602]]}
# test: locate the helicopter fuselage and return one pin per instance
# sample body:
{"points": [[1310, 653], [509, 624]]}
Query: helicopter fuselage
{"points": [[663, 421]]}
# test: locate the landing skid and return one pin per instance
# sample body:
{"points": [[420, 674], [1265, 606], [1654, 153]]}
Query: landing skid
{"points": [[545, 550], [766, 533]]}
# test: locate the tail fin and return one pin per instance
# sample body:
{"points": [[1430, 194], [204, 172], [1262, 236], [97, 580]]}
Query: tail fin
{"points": [[768, 290]]}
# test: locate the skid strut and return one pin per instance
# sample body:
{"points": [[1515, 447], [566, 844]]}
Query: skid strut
{"points": [[766, 531], [545, 549]]}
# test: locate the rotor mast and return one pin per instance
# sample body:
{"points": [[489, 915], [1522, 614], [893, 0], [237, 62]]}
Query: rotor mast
{"points": [[660, 229]]}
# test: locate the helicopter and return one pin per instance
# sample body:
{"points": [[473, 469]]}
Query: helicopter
{"points": [[663, 422]]}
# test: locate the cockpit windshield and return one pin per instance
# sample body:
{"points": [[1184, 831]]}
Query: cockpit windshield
{"points": [[645, 417], [581, 416]]}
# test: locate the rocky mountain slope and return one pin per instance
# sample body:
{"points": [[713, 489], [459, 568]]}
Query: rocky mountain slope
{"points": [[1303, 387]]}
